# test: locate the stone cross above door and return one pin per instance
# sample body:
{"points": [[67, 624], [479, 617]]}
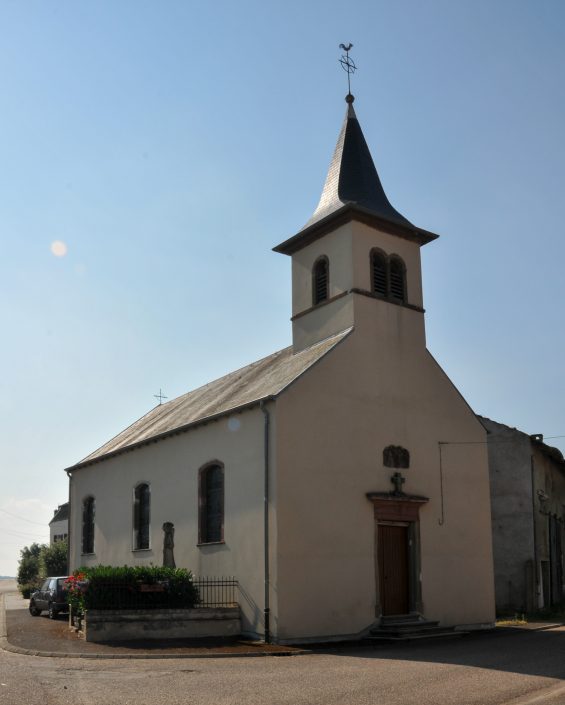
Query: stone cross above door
{"points": [[397, 480]]}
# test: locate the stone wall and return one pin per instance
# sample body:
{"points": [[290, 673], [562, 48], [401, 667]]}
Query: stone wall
{"points": [[510, 466], [127, 625]]}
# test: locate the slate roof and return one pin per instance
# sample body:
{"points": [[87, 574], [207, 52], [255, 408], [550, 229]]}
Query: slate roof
{"points": [[353, 178], [61, 514], [353, 188], [261, 380]]}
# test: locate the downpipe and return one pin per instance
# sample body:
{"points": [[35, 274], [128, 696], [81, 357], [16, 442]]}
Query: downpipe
{"points": [[267, 610], [69, 525]]}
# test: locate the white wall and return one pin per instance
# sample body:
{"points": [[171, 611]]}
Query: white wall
{"points": [[348, 251], [171, 468], [378, 387], [58, 528]]}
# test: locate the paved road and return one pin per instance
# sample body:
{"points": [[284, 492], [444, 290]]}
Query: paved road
{"points": [[487, 669]]}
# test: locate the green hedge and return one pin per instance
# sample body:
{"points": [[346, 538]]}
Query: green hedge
{"points": [[140, 587], [28, 588]]}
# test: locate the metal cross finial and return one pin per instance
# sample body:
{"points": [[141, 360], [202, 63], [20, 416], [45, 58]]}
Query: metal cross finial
{"points": [[347, 64], [397, 480], [160, 397]]}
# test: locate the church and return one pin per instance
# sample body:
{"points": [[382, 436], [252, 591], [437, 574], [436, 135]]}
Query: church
{"points": [[343, 480]]}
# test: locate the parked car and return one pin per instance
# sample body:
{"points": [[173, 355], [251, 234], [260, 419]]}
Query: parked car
{"points": [[51, 597]]}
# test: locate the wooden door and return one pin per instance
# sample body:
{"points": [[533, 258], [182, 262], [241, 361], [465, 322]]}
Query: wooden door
{"points": [[393, 569]]}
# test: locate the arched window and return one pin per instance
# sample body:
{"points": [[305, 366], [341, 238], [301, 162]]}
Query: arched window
{"points": [[211, 504], [141, 516], [397, 279], [320, 280], [378, 273], [88, 510]]}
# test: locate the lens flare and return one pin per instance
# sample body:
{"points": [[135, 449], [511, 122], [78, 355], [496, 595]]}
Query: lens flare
{"points": [[58, 248]]}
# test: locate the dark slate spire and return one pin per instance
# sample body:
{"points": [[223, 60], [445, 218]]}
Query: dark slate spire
{"points": [[353, 190], [352, 177]]}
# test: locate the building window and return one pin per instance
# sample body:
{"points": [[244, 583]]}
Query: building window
{"points": [[211, 504], [88, 511], [388, 276], [379, 273], [397, 279], [141, 516], [320, 280]]}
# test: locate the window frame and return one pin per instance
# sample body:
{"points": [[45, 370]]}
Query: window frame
{"points": [[203, 529], [389, 262], [318, 262], [87, 549], [396, 260], [136, 518], [377, 252]]}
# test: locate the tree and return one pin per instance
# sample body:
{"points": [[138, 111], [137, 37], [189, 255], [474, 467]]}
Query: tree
{"points": [[32, 551], [53, 559], [29, 568], [38, 562]]}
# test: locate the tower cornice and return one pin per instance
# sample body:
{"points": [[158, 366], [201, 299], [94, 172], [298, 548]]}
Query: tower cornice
{"points": [[345, 214]]}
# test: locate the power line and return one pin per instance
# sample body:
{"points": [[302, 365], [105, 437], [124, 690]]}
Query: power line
{"points": [[18, 533], [16, 516]]}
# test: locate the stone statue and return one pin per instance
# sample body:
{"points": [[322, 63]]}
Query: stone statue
{"points": [[168, 545]]}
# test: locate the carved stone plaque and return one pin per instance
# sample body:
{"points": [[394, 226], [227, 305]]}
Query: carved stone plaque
{"points": [[396, 457]]}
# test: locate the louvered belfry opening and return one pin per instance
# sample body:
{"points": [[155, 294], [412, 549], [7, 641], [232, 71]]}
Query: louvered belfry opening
{"points": [[212, 504], [320, 280], [378, 264], [141, 516], [88, 509], [388, 276], [397, 284]]}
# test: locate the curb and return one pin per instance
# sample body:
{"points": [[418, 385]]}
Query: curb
{"points": [[518, 628], [6, 646]]}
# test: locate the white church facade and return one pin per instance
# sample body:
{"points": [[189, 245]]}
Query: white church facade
{"points": [[329, 477]]}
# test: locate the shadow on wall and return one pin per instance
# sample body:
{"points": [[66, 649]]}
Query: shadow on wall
{"points": [[252, 618]]}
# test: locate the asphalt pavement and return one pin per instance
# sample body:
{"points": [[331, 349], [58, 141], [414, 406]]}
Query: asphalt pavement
{"points": [[41, 636], [523, 666]]}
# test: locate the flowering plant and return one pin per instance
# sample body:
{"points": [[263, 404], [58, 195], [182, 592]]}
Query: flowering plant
{"points": [[75, 586]]}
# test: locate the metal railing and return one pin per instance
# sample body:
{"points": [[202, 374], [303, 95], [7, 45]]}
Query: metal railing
{"points": [[217, 592], [212, 592]]}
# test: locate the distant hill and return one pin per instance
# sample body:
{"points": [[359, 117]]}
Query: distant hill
{"points": [[7, 577]]}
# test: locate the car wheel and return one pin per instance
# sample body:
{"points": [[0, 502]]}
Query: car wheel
{"points": [[33, 610], [52, 612]]}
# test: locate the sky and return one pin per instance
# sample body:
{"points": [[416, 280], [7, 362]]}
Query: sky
{"points": [[154, 152]]}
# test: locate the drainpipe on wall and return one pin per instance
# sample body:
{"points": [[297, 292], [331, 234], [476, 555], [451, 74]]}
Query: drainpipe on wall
{"points": [[69, 524], [267, 610], [536, 569]]}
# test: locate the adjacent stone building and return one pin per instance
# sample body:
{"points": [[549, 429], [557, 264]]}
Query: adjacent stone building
{"points": [[327, 477], [528, 513]]}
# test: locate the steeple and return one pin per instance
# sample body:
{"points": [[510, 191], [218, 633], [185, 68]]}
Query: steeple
{"points": [[352, 177], [353, 190], [356, 263]]}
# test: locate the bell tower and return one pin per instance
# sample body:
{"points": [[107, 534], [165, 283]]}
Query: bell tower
{"points": [[357, 256]]}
